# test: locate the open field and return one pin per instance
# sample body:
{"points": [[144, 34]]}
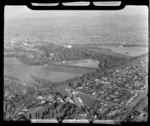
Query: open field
{"points": [[13, 67], [88, 101], [83, 63]]}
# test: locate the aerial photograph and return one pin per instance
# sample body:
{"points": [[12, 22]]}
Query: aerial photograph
{"points": [[76, 64]]}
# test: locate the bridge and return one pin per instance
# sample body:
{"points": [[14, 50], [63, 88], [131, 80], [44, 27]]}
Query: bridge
{"points": [[70, 68]]}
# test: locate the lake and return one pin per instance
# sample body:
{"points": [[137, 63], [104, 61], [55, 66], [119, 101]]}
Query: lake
{"points": [[13, 67]]}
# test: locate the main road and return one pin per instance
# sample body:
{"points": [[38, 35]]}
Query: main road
{"points": [[129, 107], [99, 98]]}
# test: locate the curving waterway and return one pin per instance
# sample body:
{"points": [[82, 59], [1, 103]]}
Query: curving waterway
{"points": [[13, 67]]}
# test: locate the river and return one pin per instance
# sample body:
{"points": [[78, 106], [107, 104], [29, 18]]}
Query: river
{"points": [[131, 51]]}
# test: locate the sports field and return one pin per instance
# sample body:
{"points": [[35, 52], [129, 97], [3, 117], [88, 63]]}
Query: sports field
{"points": [[84, 63]]}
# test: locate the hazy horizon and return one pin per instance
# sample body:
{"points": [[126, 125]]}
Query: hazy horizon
{"points": [[129, 25], [16, 12]]}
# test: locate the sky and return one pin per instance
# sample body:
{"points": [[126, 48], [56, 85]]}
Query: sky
{"points": [[25, 12]]}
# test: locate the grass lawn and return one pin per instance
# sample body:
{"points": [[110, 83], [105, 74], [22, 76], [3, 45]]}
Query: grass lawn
{"points": [[88, 101]]}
